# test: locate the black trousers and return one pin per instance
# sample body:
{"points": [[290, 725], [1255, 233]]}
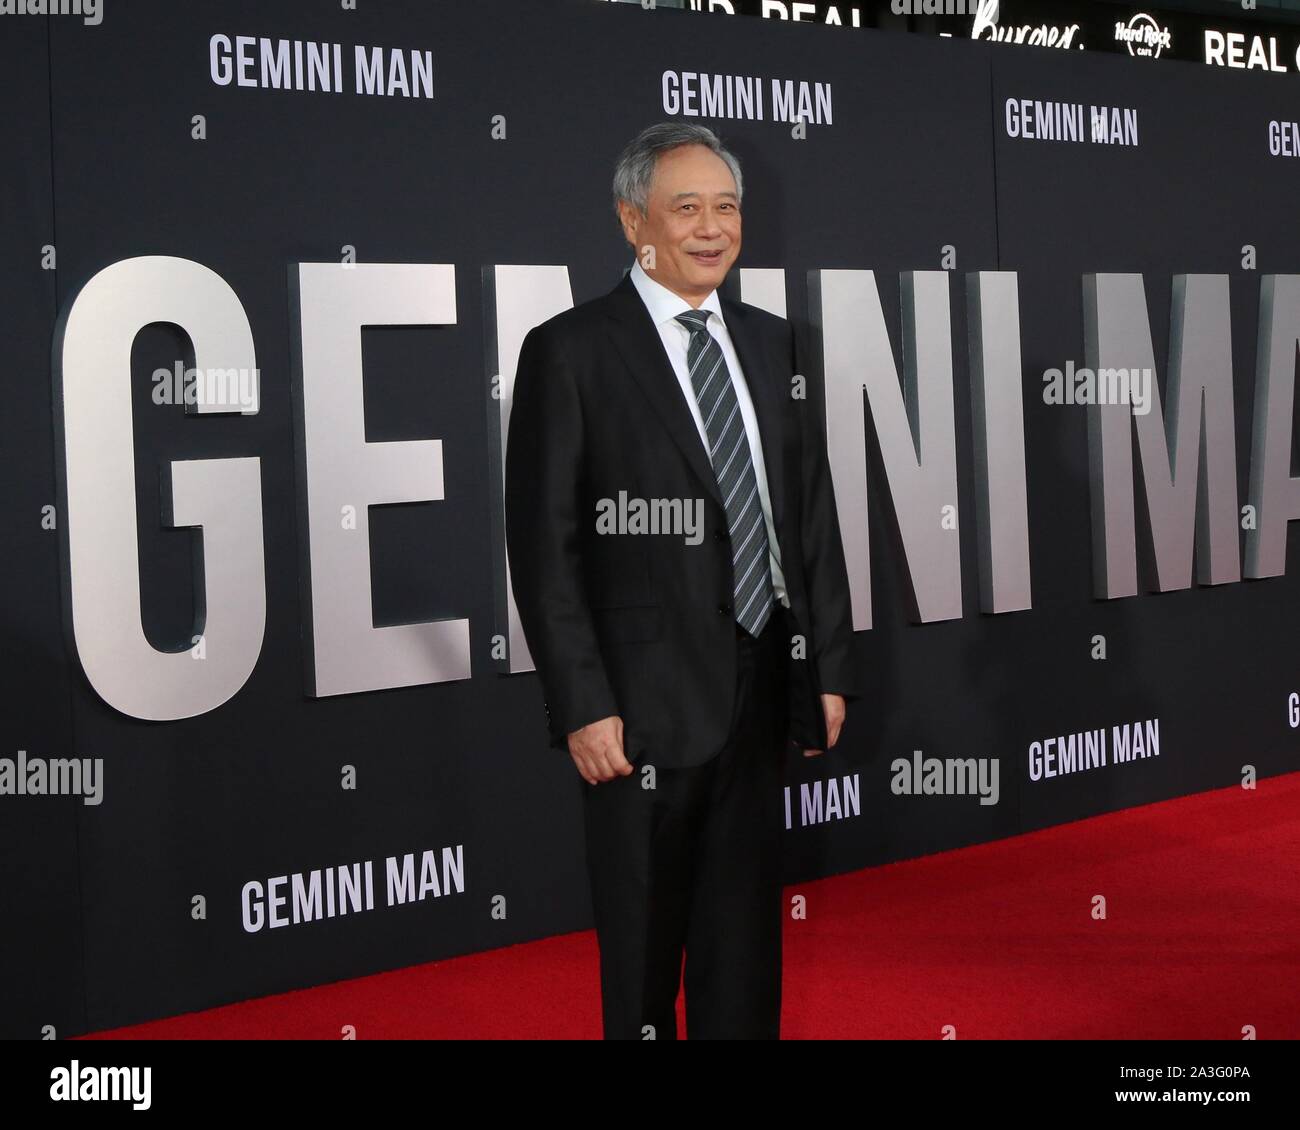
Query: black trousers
{"points": [[694, 865]]}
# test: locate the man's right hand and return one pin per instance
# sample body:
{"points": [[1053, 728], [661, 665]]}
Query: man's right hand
{"points": [[597, 750]]}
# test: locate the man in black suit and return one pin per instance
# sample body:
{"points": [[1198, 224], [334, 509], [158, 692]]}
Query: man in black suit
{"points": [[676, 562]]}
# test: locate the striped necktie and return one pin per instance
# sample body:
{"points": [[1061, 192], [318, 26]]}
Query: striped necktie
{"points": [[734, 468]]}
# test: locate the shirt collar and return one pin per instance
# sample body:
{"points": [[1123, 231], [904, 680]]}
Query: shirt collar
{"points": [[663, 304]]}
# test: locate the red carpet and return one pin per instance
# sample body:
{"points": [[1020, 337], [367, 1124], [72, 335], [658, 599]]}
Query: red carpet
{"points": [[1202, 937]]}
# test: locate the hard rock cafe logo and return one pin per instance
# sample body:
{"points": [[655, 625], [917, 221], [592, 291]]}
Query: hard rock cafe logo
{"points": [[1143, 36]]}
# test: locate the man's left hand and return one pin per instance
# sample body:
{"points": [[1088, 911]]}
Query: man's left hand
{"points": [[833, 712]]}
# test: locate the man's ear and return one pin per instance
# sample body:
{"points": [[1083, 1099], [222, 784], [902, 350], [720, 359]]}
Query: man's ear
{"points": [[629, 217]]}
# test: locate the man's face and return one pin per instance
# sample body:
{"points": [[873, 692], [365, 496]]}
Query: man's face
{"points": [[690, 236]]}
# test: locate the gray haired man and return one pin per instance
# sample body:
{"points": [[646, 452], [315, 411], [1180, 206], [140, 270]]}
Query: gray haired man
{"points": [[676, 671]]}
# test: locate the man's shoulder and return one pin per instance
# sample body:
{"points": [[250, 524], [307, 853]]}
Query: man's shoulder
{"points": [[771, 326], [762, 316], [571, 332], [576, 320], [586, 318]]}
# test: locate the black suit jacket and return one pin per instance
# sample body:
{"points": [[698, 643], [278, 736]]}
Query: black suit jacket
{"points": [[641, 625]]}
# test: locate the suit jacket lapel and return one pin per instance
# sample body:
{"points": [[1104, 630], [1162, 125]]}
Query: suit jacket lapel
{"points": [[638, 342]]}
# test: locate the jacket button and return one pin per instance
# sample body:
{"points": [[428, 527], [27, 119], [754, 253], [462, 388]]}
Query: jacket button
{"points": [[724, 609], [719, 535]]}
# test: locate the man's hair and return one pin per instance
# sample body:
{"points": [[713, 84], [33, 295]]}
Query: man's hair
{"points": [[636, 164]]}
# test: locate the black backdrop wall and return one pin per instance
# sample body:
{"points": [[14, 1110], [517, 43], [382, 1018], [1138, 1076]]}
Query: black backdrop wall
{"points": [[131, 909]]}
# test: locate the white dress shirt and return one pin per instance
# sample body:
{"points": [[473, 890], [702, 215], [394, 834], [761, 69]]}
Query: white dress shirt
{"points": [[664, 306]]}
